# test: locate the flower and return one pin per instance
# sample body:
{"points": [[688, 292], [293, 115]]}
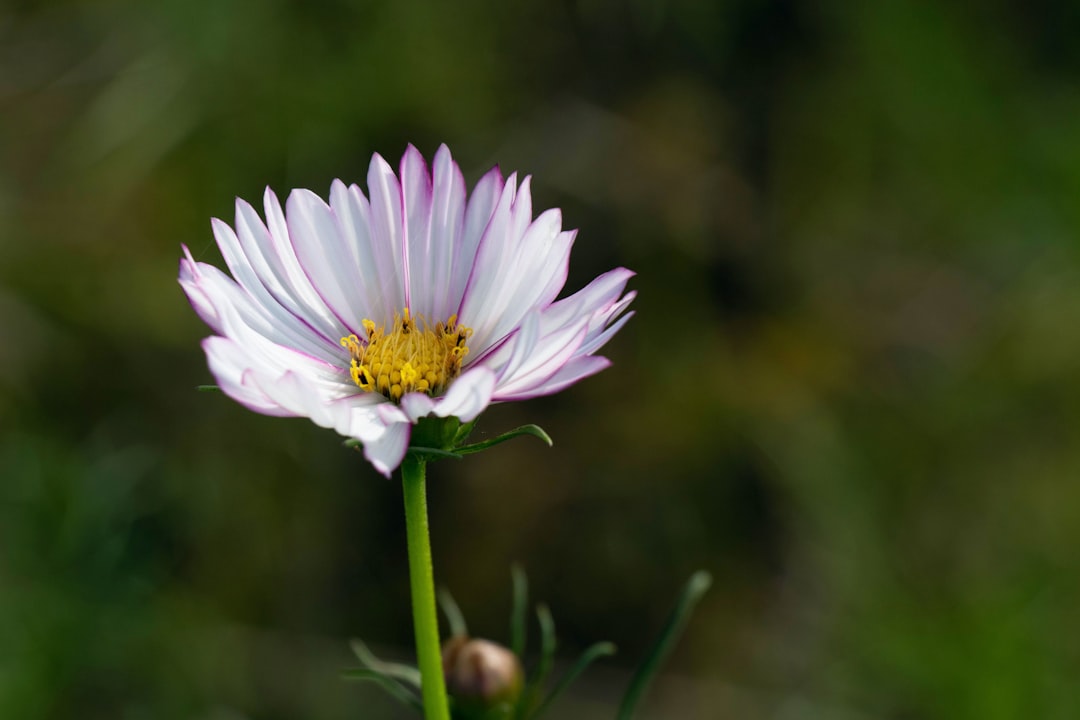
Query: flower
{"points": [[367, 314]]}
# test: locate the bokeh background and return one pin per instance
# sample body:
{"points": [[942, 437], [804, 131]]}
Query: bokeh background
{"points": [[851, 391]]}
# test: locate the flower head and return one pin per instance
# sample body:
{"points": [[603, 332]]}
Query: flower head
{"points": [[368, 313]]}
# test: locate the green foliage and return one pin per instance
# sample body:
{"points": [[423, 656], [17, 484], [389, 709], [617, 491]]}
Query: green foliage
{"points": [[403, 682]]}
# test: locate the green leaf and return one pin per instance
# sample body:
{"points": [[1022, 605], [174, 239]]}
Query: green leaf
{"points": [[517, 612], [397, 671], [547, 644], [207, 388], [534, 430], [390, 685], [591, 654], [453, 614], [697, 585], [547, 660]]}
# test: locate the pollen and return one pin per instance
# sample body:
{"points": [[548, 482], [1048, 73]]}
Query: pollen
{"points": [[411, 355]]}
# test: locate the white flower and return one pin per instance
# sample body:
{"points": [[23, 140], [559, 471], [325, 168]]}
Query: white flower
{"points": [[366, 315]]}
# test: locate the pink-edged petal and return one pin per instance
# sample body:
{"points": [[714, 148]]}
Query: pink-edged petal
{"points": [[235, 313], [386, 225], [375, 259], [601, 293], [291, 390], [448, 230], [512, 353], [521, 211], [494, 258], [577, 369], [555, 267], [468, 396], [595, 341], [388, 450], [542, 361], [254, 275], [231, 369], [423, 252], [417, 405], [521, 264], [479, 213], [270, 249], [494, 231], [329, 260], [328, 380], [543, 262], [190, 278]]}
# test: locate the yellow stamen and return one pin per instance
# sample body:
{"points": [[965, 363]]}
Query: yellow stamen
{"points": [[412, 356]]}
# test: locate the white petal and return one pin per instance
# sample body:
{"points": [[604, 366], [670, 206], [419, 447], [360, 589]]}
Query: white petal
{"points": [[379, 283], [448, 227], [388, 450], [190, 277], [231, 369], [278, 266], [272, 359], [386, 231], [258, 281], [328, 259], [468, 396], [417, 405], [478, 214], [509, 357], [519, 267], [494, 258], [598, 295], [272, 322], [575, 370], [422, 249], [548, 356], [595, 341]]}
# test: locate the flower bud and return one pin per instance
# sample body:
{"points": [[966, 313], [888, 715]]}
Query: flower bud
{"points": [[480, 674]]}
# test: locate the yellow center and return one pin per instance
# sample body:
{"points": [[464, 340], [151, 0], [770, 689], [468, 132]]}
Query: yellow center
{"points": [[411, 357]]}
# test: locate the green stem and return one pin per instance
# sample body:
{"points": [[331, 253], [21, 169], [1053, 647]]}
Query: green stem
{"points": [[425, 621]]}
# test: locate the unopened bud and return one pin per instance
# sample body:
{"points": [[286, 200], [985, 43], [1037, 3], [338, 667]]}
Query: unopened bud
{"points": [[480, 674]]}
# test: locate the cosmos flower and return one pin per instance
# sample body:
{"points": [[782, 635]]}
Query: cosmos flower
{"points": [[371, 312]]}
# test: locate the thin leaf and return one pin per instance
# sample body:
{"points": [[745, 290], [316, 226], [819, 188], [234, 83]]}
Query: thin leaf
{"points": [[208, 388], [389, 684], [547, 660], [534, 430], [453, 614], [517, 612], [547, 644], [591, 654], [404, 673], [697, 585]]}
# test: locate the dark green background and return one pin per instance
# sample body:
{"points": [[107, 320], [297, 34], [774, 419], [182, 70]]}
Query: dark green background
{"points": [[851, 392]]}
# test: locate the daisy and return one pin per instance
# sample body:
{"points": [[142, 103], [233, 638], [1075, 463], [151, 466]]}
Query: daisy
{"points": [[370, 312]]}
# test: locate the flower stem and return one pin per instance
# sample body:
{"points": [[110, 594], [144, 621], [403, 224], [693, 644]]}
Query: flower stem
{"points": [[425, 621]]}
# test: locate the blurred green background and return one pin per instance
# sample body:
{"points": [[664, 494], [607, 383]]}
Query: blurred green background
{"points": [[850, 392]]}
